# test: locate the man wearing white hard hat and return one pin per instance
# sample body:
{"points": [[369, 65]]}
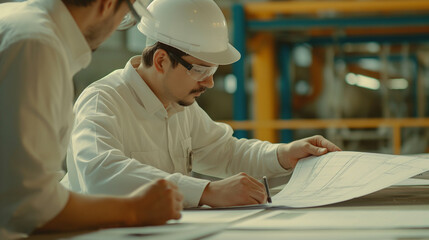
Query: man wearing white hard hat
{"points": [[142, 122], [43, 43]]}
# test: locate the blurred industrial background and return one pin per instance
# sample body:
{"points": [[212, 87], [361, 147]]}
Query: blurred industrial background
{"points": [[355, 71]]}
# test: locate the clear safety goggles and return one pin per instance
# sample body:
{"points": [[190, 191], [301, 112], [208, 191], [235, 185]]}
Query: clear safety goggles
{"points": [[197, 72], [137, 11]]}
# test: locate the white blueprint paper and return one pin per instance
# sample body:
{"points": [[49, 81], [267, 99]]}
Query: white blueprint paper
{"points": [[413, 182], [325, 234], [183, 231], [340, 176], [193, 225], [339, 219], [215, 216]]}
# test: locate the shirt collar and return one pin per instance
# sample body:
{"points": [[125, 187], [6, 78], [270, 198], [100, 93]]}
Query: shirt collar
{"points": [[77, 48], [143, 93]]}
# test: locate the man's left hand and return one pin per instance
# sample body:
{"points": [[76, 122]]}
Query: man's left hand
{"points": [[289, 154]]}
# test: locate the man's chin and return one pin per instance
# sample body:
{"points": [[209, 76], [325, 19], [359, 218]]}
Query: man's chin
{"points": [[186, 103]]}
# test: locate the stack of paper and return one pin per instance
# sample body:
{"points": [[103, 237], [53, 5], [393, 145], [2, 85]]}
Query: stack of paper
{"points": [[340, 176], [338, 219]]}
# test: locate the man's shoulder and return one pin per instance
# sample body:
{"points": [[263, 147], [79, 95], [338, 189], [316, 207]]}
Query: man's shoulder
{"points": [[109, 87], [24, 22], [107, 95], [109, 84]]}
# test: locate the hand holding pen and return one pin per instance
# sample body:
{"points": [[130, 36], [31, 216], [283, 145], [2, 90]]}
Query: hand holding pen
{"points": [[267, 189]]}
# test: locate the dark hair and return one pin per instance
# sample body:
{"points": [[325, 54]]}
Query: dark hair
{"points": [[150, 51], [85, 3]]}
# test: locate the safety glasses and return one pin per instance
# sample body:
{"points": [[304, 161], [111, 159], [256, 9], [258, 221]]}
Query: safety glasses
{"points": [[137, 11], [197, 72]]}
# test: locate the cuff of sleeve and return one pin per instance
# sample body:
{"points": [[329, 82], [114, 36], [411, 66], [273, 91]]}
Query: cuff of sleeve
{"points": [[273, 162], [191, 188]]}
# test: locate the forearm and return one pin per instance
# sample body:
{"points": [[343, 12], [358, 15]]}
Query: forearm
{"points": [[257, 158], [84, 212]]}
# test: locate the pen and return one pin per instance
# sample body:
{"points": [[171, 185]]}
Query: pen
{"points": [[267, 189]]}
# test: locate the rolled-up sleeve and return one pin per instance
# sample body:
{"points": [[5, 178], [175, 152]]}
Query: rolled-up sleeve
{"points": [[219, 154]]}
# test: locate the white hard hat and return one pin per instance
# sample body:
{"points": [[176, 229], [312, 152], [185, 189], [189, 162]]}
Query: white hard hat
{"points": [[196, 27]]}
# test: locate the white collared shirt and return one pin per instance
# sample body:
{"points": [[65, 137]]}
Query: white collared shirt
{"points": [[124, 137], [41, 48]]}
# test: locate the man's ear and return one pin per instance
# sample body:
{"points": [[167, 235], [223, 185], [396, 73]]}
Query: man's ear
{"points": [[106, 7], [160, 60]]}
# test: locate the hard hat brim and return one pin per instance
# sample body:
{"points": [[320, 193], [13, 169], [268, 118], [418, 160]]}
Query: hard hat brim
{"points": [[229, 56]]}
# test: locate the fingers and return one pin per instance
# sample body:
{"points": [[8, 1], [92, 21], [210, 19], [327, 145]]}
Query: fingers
{"points": [[329, 145], [258, 194], [237, 190], [176, 202], [320, 141], [252, 201], [254, 181], [179, 197], [174, 199], [317, 151], [259, 197], [167, 184], [177, 212], [157, 202], [256, 189], [179, 205]]}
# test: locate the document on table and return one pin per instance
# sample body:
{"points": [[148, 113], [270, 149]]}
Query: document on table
{"points": [[340, 176], [413, 182], [215, 216], [324, 234], [183, 231], [338, 219], [193, 224]]}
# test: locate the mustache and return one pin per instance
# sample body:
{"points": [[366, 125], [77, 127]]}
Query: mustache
{"points": [[201, 89]]}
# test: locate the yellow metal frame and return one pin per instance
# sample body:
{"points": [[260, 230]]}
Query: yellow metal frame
{"points": [[395, 124], [265, 95], [265, 73], [340, 6]]}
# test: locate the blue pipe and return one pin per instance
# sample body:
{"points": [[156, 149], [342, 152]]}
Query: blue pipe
{"points": [[285, 90], [371, 21], [238, 68]]}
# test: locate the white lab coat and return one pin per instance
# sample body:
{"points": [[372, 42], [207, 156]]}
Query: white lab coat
{"points": [[124, 137], [41, 48]]}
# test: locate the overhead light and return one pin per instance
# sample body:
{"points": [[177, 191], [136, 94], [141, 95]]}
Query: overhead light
{"points": [[373, 47], [230, 83], [398, 83], [370, 64], [362, 81], [302, 56]]}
